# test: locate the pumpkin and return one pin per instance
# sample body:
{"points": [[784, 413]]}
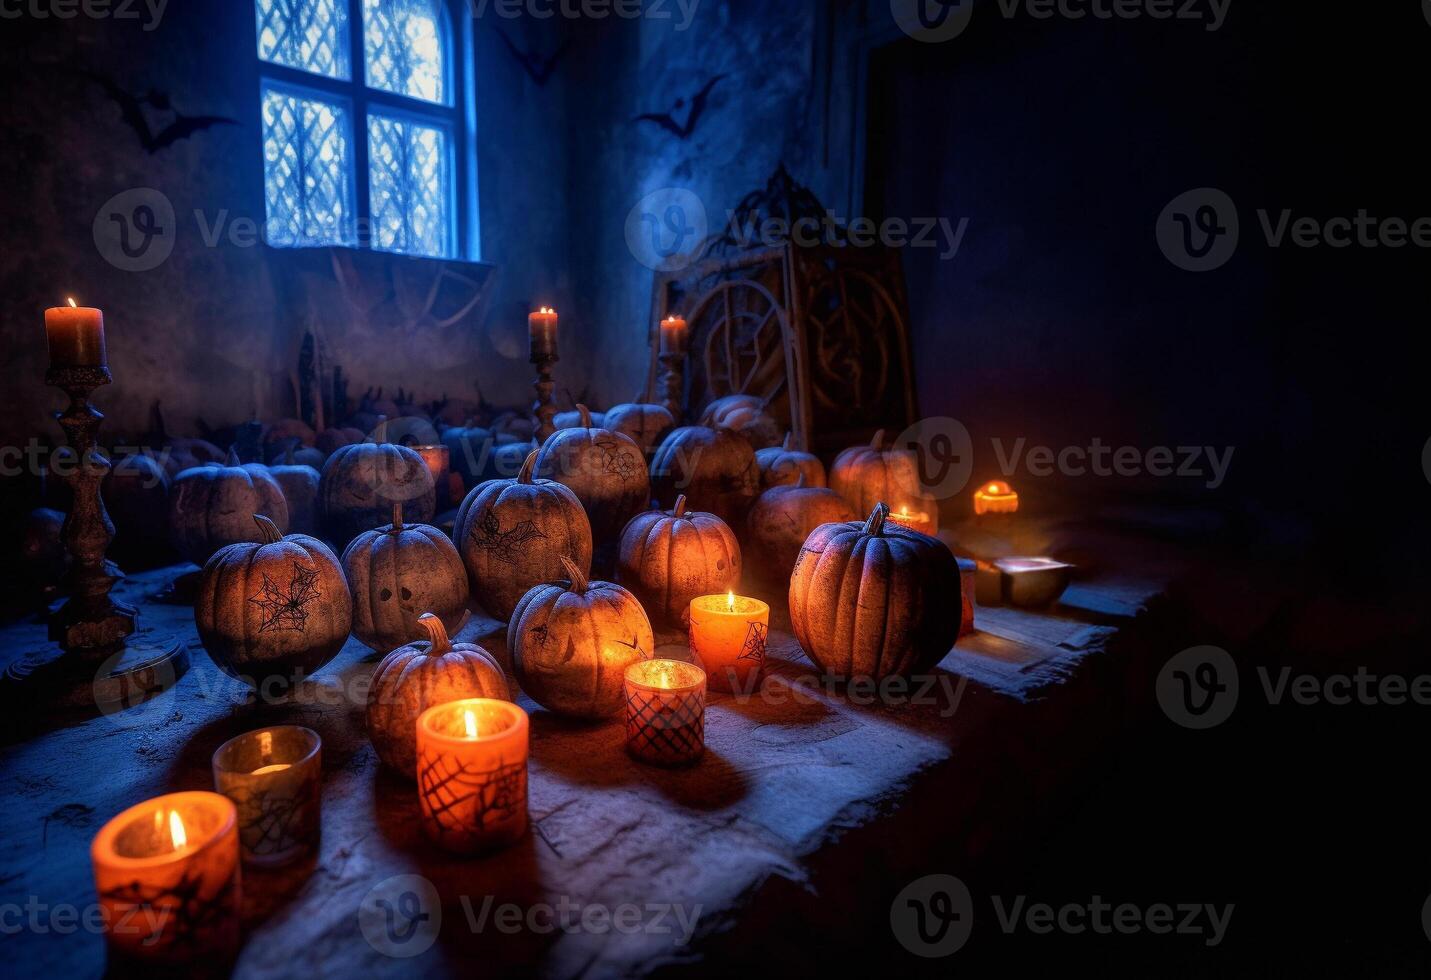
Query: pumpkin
{"points": [[291, 452], [212, 507], [572, 641], [285, 429], [331, 440], [670, 557], [781, 520], [865, 475], [412, 430], [398, 573], [275, 609], [605, 470], [573, 420], [745, 414], [518, 426], [136, 496], [646, 425], [419, 675], [184, 454], [874, 599], [513, 534], [469, 451], [714, 468], [784, 465], [361, 483], [43, 557], [299, 483]]}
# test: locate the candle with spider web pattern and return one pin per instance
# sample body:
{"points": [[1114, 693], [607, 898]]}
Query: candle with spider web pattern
{"points": [[472, 774], [665, 712], [167, 874], [272, 775], [728, 637]]}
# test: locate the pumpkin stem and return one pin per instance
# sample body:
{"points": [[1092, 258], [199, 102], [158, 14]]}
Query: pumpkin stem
{"points": [[786, 444], [288, 456], [578, 578], [233, 459], [436, 635], [397, 515], [269, 530], [380, 431], [877, 443], [800, 483], [680, 509], [875, 524], [585, 414], [528, 466]]}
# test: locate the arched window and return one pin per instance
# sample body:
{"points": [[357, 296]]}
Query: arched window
{"points": [[371, 157]]}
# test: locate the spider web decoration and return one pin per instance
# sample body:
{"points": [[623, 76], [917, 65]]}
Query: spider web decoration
{"points": [[755, 642], [463, 806], [184, 916], [503, 545], [665, 727], [275, 822], [285, 610], [617, 459]]}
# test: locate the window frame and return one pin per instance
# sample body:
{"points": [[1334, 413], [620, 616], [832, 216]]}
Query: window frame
{"points": [[455, 117]]}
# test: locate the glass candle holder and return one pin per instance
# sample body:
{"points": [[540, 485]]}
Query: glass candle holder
{"points": [[665, 712], [917, 517], [167, 874], [995, 497], [728, 637], [273, 777], [472, 774]]}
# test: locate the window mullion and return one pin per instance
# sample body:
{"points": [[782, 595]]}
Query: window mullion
{"points": [[360, 126]]}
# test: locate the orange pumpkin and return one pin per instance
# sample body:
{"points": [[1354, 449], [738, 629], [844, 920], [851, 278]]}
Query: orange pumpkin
{"points": [[714, 468], [779, 523], [670, 557], [875, 600], [645, 424], [419, 675], [784, 465], [361, 483], [572, 641], [605, 470], [299, 483], [276, 609], [513, 534], [211, 507], [866, 475], [745, 414], [399, 573]]}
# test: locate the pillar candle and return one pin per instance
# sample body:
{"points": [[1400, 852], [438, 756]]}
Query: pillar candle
{"points": [[728, 636], [543, 326], [665, 712], [167, 874], [673, 335], [995, 497], [916, 518], [76, 336], [472, 774], [273, 777]]}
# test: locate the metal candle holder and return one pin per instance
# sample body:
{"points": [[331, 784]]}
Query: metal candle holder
{"points": [[673, 382], [544, 408]]}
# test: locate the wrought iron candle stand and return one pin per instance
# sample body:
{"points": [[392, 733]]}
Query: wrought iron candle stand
{"points": [[673, 383], [544, 408], [97, 664]]}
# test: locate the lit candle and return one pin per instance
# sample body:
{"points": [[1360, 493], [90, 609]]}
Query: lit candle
{"points": [[167, 874], [665, 712], [917, 520], [472, 774], [543, 325], [76, 336], [673, 335], [272, 776], [728, 636], [995, 497]]}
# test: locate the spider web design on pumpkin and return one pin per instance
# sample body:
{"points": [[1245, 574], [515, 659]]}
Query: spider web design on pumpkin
{"points": [[502, 545], [617, 459], [665, 726], [181, 916], [285, 610], [755, 643], [272, 822], [462, 801]]}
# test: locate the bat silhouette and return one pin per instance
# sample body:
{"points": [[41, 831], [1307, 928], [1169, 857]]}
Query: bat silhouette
{"points": [[131, 110], [538, 68], [667, 120]]}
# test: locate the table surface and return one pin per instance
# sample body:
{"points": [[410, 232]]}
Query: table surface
{"points": [[783, 774]]}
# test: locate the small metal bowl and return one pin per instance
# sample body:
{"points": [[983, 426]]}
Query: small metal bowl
{"points": [[1033, 582]]}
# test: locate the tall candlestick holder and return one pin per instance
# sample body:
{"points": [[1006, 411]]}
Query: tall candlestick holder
{"points": [[544, 408], [96, 664], [673, 383]]}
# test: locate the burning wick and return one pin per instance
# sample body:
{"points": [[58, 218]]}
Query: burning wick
{"points": [[469, 721], [72, 302], [176, 830], [730, 601]]}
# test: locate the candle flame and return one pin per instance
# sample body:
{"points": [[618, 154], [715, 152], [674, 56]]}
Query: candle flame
{"points": [[730, 600], [176, 830], [469, 721], [72, 302], [265, 744], [547, 310], [993, 488]]}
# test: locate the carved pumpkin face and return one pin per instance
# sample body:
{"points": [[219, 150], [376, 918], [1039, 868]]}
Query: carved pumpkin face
{"points": [[714, 468], [572, 641], [361, 483], [513, 534], [784, 465], [779, 523], [646, 425], [605, 470], [398, 573], [866, 475], [874, 600], [670, 557], [278, 608], [414, 677], [211, 507]]}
